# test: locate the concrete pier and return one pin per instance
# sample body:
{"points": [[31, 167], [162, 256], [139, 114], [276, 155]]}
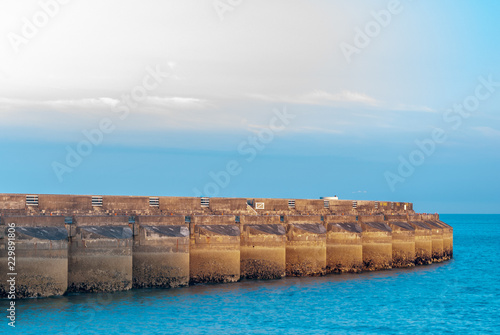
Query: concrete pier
{"points": [[160, 251], [305, 246], [40, 256], [344, 247], [94, 243], [214, 249], [403, 241], [263, 246], [100, 254], [376, 237]]}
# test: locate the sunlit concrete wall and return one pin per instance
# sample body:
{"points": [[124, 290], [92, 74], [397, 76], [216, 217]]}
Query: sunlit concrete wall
{"points": [[263, 247], [214, 249], [160, 251], [344, 248], [100, 254], [377, 243], [305, 246], [40, 256]]}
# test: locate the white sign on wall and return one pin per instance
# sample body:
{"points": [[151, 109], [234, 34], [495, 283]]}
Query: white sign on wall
{"points": [[259, 205]]}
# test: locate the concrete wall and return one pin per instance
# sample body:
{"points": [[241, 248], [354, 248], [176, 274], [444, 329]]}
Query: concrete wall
{"points": [[403, 243], [100, 254], [128, 242], [447, 240], [214, 249], [41, 256], [223, 206], [423, 242], [263, 246], [139, 205], [12, 201], [311, 206], [346, 207], [437, 241], [377, 243], [305, 246], [344, 248], [273, 206], [160, 251], [180, 205]]}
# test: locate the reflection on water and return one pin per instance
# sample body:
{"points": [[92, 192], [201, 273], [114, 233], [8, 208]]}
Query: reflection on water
{"points": [[459, 296]]}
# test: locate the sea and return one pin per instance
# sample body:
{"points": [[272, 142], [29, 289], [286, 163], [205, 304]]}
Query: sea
{"points": [[461, 296]]}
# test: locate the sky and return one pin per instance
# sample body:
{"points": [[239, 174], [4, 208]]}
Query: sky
{"points": [[367, 100]]}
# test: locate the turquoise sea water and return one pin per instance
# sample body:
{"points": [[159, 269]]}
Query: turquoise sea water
{"points": [[461, 296]]}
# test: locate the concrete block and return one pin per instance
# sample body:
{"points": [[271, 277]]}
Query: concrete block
{"points": [[305, 249], [263, 247], [161, 252], [100, 256], [377, 243], [41, 261], [403, 244], [214, 249], [344, 248], [437, 241], [423, 242], [447, 239]]}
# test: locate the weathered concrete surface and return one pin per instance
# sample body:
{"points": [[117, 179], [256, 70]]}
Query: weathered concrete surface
{"points": [[308, 239], [403, 243], [447, 240], [100, 254], [306, 206], [263, 247], [423, 242], [344, 248], [160, 252], [223, 206], [377, 243], [305, 247], [41, 261], [214, 249], [272, 206], [182, 205], [345, 207], [437, 241], [12, 202]]}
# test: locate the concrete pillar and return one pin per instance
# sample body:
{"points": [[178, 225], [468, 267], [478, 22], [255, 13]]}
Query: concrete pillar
{"points": [[447, 240], [40, 256], [437, 241], [344, 248], [403, 243], [160, 255], [263, 246], [376, 237], [100, 254], [305, 246], [214, 255], [423, 242]]}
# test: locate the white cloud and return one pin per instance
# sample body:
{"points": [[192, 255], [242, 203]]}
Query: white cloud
{"points": [[310, 129], [344, 99], [319, 97], [323, 98], [178, 102], [413, 108], [487, 131]]}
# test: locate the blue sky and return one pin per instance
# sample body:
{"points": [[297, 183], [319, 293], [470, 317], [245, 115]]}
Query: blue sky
{"points": [[268, 78]]}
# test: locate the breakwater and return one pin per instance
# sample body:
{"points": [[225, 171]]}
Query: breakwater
{"points": [[85, 243]]}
